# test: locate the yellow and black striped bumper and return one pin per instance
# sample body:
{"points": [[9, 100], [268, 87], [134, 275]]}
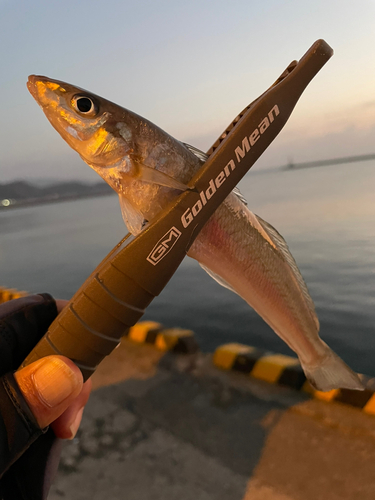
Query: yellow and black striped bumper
{"points": [[286, 371]]}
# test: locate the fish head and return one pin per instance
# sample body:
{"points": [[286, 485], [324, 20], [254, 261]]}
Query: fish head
{"points": [[141, 162], [90, 124]]}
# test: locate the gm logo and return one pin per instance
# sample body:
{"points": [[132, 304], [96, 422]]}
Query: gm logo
{"points": [[164, 246]]}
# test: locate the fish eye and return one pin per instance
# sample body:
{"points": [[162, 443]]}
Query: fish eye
{"points": [[84, 105]]}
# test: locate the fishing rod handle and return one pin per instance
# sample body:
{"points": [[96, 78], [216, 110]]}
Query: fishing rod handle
{"points": [[97, 317]]}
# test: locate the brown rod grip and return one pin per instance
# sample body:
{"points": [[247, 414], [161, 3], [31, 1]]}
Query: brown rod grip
{"points": [[99, 314]]}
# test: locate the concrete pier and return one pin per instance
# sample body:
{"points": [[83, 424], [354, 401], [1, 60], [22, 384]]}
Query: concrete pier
{"points": [[168, 426]]}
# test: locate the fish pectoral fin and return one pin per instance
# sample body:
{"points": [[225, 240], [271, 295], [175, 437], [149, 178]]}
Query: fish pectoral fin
{"points": [[148, 174], [282, 246], [218, 278], [133, 218]]}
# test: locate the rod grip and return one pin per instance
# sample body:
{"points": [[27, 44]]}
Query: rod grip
{"points": [[95, 319]]}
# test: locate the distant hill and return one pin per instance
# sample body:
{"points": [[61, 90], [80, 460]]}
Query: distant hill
{"points": [[20, 193]]}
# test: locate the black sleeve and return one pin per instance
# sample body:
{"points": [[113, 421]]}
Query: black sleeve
{"points": [[22, 324], [23, 465], [18, 427]]}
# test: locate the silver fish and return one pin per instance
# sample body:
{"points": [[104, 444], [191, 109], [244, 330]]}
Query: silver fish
{"points": [[147, 168]]}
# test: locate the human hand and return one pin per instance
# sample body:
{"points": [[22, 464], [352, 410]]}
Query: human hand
{"points": [[54, 390], [48, 390]]}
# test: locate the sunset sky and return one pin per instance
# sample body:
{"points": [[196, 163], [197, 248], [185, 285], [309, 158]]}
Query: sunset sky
{"points": [[188, 66]]}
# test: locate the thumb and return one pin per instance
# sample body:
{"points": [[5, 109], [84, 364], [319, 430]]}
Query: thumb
{"points": [[49, 385]]}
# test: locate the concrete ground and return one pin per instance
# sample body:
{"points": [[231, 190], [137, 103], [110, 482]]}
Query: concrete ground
{"points": [[175, 428]]}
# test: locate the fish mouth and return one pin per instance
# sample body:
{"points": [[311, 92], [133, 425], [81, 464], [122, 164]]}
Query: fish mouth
{"points": [[38, 85], [34, 84], [31, 85]]}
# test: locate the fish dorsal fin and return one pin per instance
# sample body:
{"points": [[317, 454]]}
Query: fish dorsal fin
{"points": [[239, 195], [203, 157], [133, 218], [217, 278], [282, 245], [197, 152]]}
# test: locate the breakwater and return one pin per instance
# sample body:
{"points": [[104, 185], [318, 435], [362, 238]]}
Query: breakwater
{"points": [[331, 161]]}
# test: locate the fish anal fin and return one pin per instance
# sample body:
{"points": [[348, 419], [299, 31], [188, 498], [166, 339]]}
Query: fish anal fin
{"points": [[282, 246], [217, 278]]}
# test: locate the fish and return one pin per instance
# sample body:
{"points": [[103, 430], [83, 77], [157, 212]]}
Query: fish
{"points": [[148, 168]]}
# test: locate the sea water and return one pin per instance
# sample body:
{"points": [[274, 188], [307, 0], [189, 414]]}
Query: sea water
{"points": [[326, 214]]}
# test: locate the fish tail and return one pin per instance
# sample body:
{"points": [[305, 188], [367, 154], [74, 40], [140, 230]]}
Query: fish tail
{"points": [[332, 373]]}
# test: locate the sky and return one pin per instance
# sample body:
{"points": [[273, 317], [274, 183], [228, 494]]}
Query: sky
{"points": [[188, 66]]}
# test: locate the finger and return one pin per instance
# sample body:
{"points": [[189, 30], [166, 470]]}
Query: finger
{"points": [[49, 386], [66, 426], [60, 304]]}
